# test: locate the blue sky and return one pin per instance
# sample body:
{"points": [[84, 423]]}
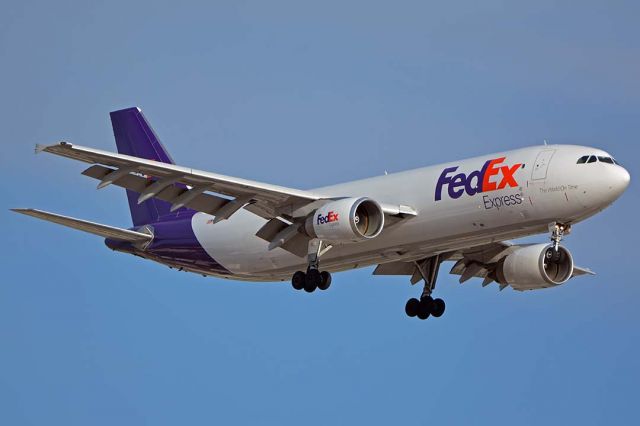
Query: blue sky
{"points": [[307, 94]]}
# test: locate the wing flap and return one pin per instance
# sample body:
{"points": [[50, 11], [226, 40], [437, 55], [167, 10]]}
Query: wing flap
{"points": [[395, 268], [286, 236], [203, 202], [105, 231]]}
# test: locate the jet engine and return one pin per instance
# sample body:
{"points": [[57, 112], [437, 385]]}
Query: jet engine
{"points": [[346, 220], [536, 266]]}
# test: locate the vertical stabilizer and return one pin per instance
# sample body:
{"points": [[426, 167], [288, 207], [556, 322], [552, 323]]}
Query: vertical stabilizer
{"points": [[134, 136]]}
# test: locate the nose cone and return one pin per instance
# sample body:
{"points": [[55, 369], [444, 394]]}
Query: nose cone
{"points": [[618, 180]]}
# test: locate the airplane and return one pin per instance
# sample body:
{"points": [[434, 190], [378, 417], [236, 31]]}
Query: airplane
{"points": [[406, 223]]}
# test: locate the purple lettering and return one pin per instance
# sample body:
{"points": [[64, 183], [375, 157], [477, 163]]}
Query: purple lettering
{"points": [[457, 181], [443, 180]]}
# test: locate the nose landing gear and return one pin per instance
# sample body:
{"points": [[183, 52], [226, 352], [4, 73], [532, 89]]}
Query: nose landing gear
{"points": [[426, 270], [558, 230], [314, 278]]}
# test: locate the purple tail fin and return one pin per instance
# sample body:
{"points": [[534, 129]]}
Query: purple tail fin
{"points": [[134, 136]]}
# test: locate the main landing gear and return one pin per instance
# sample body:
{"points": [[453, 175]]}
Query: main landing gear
{"points": [[313, 278], [427, 305]]}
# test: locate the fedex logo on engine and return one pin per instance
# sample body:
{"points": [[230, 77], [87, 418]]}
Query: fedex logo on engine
{"points": [[330, 217], [494, 175]]}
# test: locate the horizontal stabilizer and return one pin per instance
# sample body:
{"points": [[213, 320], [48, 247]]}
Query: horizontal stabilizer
{"points": [[91, 227]]}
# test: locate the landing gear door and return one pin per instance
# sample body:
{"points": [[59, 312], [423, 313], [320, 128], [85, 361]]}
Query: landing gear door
{"points": [[542, 164]]}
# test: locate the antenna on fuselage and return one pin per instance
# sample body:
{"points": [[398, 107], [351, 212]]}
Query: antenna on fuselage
{"points": [[545, 142]]}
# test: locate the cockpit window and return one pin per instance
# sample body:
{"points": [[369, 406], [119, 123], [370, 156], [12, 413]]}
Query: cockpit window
{"points": [[606, 160], [595, 158]]}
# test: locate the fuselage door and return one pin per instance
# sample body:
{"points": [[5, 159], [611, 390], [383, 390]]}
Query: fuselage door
{"points": [[542, 164]]}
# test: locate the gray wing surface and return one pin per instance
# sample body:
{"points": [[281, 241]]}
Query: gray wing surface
{"points": [[90, 227], [207, 192], [473, 262], [212, 193]]}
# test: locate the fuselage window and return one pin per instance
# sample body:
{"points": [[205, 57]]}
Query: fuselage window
{"points": [[606, 160], [592, 159], [583, 159]]}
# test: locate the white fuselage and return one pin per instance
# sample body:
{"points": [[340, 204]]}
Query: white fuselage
{"points": [[523, 193]]}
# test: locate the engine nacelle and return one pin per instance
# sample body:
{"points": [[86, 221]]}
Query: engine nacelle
{"points": [[347, 220], [536, 266]]}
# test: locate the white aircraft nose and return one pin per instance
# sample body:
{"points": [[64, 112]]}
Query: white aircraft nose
{"points": [[619, 179]]}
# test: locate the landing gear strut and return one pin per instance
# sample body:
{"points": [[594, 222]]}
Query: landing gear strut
{"points": [[557, 232], [427, 306], [313, 278]]}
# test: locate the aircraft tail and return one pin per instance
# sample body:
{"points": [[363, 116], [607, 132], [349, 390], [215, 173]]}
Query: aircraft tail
{"points": [[134, 136]]}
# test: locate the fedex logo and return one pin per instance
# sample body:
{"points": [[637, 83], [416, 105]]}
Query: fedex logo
{"points": [[494, 175], [330, 217]]}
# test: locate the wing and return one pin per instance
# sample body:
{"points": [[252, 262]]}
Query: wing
{"points": [[90, 227], [481, 261], [474, 262], [263, 199], [160, 180], [210, 193]]}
